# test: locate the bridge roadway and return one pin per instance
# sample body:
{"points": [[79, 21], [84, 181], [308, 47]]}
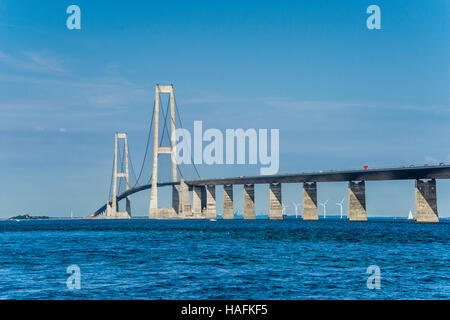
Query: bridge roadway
{"points": [[393, 173]]}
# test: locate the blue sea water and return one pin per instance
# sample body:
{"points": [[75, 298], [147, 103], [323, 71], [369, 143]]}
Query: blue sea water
{"points": [[192, 259]]}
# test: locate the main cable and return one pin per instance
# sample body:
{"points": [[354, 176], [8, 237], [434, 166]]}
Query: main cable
{"points": [[181, 124], [146, 147]]}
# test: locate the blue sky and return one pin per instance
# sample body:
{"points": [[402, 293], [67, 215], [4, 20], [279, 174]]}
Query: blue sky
{"points": [[342, 96]]}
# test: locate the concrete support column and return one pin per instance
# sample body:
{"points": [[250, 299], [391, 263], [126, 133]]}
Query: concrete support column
{"points": [[357, 201], [114, 195], [185, 200], [211, 202], [128, 206], [425, 201], [203, 200], [176, 199], [249, 201], [275, 205], [108, 208], [127, 179], [196, 202], [228, 208], [309, 202]]}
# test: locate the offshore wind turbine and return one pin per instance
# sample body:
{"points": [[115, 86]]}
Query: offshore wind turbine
{"points": [[296, 205], [324, 204], [340, 204], [284, 209]]}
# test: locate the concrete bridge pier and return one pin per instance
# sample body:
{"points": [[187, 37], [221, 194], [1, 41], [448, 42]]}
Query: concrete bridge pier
{"points": [[197, 202], [275, 206], [108, 208], [425, 201], [128, 206], [211, 202], [176, 199], [184, 200], [249, 202], [203, 200], [228, 208], [309, 201], [357, 201]]}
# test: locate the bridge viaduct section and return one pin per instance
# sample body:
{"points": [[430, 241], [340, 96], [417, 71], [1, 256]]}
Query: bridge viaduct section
{"points": [[204, 190], [204, 193], [425, 191]]}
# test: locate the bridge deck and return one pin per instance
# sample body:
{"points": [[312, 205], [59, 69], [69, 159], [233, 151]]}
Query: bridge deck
{"points": [[394, 173]]}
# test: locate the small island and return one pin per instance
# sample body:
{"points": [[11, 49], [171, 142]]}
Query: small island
{"points": [[28, 217]]}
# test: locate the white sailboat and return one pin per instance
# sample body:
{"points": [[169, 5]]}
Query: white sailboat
{"points": [[410, 215]]}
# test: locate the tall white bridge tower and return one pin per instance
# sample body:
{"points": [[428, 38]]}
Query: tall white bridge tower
{"points": [[154, 211], [112, 207]]}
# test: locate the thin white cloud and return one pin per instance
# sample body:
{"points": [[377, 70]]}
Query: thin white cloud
{"points": [[308, 104], [39, 129], [21, 106], [336, 105], [198, 100], [33, 62], [204, 97], [98, 92], [430, 159], [46, 62]]}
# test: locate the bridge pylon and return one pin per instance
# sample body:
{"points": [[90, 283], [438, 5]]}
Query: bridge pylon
{"points": [[112, 206], [154, 211]]}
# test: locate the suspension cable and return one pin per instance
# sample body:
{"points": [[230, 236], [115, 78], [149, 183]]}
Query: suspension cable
{"points": [[121, 157], [131, 166], [181, 125], [112, 178], [166, 130], [146, 147], [165, 123]]}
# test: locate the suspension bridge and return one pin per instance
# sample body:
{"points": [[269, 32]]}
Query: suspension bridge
{"points": [[203, 203]]}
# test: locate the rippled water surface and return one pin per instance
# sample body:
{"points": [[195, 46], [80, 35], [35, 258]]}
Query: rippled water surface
{"points": [[290, 259]]}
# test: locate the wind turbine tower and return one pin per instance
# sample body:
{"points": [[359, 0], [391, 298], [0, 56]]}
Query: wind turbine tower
{"points": [[324, 204], [284, 209], [296, 205], [340, 204]]}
